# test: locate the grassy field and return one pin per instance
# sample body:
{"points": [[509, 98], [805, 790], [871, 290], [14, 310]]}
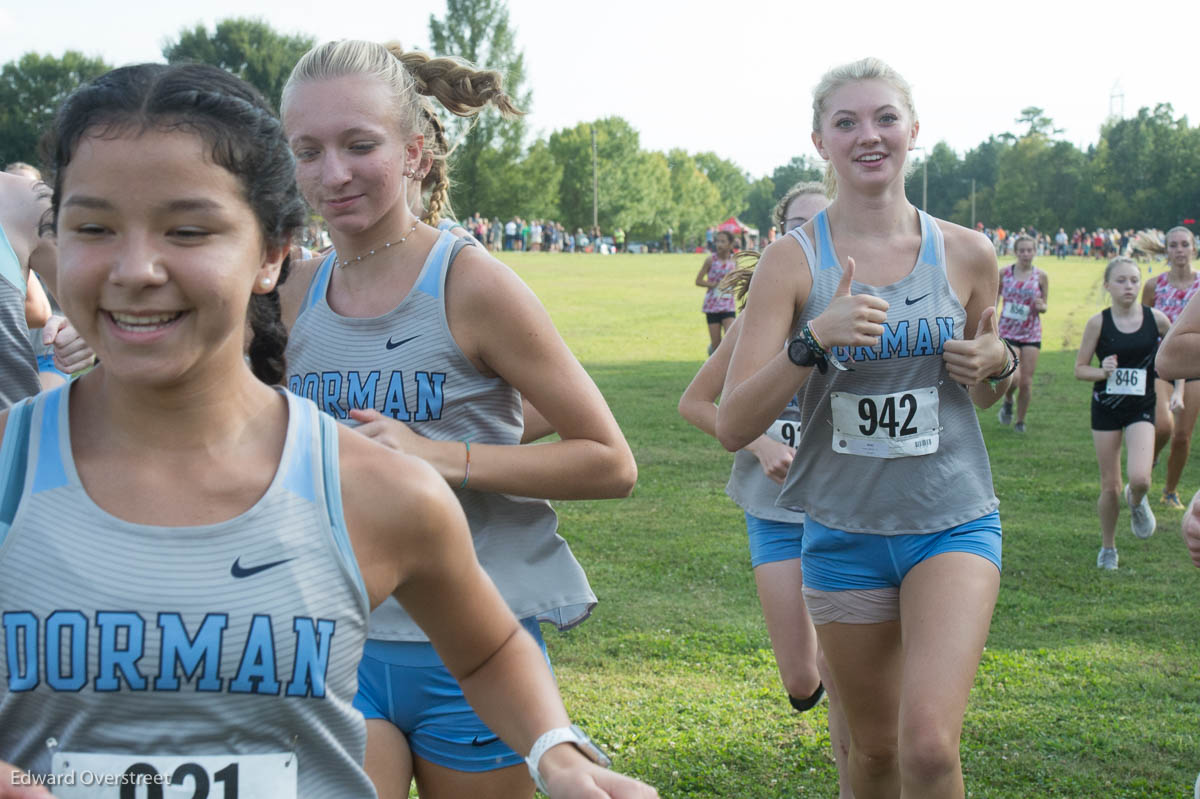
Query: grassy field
{"points": [[1090, 684]]}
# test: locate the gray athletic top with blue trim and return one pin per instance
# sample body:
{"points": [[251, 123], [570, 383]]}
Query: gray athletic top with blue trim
{"points": [[237, 641], [406, 365], [893, 445], [18, 367], [750, 487]]}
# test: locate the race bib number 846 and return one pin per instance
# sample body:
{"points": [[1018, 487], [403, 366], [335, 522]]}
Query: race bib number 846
{"points": [[896, 425], [87, 775], [1127, 381]]}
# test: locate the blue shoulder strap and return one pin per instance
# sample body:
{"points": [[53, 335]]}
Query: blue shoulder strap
{"points": [[14, 454]]}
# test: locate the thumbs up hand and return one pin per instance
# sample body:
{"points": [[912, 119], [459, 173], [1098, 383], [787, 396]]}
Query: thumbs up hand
{"points": [[850, 320], [973, 361]]}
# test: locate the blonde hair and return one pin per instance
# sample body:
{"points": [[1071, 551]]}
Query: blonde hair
{"points": [[737, 282], [1024, 237], [855, 72], [779, 216], [1181, 229], [1121, 259], [412, 77]]}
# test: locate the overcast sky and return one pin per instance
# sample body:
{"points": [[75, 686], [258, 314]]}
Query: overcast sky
{"points": [[734, 78]]}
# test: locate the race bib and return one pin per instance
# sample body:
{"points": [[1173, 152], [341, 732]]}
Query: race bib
{"points": [[1127, 381], [886, 425], [785, 431], [87, 775], [1015, 311]]}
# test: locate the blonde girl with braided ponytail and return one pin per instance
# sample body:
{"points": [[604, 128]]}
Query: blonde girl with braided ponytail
{"points": [[428, 344]]}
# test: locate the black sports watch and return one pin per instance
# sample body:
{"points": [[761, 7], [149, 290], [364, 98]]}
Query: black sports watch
{"points": [[801, 353]]}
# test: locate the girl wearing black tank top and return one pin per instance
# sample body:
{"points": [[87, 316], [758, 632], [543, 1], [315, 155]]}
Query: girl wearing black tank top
{"points": [[1124, 338]]}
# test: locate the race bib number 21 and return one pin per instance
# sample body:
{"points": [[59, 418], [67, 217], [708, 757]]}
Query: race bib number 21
{"points": [[80, 775], [896, 425]]}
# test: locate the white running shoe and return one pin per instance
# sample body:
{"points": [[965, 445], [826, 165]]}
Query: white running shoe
{"points": [[1107, 559], [1141, 519], [1006, 414]]}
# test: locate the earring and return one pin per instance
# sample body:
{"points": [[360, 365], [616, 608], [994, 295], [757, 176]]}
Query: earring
{"points": [[266, 281]]}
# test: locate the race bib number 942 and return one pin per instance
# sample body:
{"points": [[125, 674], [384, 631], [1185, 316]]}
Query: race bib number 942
{"points": [[87, 775], [896, 425]]}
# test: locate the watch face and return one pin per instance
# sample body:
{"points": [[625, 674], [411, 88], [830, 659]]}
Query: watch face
{"points": [[799, 353]]}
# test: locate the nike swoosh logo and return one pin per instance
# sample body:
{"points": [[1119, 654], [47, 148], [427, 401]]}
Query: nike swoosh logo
{"points": [[238, 571], [485, 742], [907, 301], [391, 345]]}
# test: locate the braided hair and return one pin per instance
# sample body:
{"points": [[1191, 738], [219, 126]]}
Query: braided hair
{"points": [[413, 77], [243, 136]]}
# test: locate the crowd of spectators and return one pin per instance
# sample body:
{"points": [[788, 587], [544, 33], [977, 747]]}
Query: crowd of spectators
{"points": [[1099, 244]]}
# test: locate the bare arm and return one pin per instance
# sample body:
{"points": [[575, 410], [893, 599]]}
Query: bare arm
{"points": [[536, 425], [1148, 293], [37, 304], [1087, 350], [702, 276], [499, 324], [428, 563], [1179, 353], [762, 379], [698, 406], [1044, 285], [980, 354]]}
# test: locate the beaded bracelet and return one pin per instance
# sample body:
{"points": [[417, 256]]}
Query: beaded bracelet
{"points": [[811, 338], [820, 361]]}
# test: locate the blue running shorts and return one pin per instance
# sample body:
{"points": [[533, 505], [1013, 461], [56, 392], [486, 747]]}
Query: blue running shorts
{"points": [[404, 682], [772, 541]]}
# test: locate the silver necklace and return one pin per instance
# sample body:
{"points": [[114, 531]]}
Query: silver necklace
{"points": [[399, 241]]}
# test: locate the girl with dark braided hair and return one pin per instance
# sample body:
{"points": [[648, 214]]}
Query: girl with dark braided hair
{"points": [[190, 552], [429, 345]]}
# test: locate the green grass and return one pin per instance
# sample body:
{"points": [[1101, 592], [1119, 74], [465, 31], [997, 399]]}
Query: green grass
{"points": [[1090, 684]]}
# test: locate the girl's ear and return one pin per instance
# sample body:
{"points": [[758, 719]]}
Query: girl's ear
{"points": [[268, 272]]}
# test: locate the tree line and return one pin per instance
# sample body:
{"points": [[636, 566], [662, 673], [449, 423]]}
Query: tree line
{"points": [[1143, 171]]}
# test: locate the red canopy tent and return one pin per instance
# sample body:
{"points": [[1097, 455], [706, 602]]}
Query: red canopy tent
{"points": [[734, 225]]}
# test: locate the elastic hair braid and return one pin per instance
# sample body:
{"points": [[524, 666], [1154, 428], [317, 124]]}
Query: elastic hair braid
{"points": [[437, 180], [269, 343], [458, 86]]}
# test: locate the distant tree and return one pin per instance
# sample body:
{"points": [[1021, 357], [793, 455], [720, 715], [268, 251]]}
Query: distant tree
{"points": [[249, 48], [730, 181], [947, 185], [1039, 124], [696, 203], [634, 186], [760, 204], [800, 168], [1147, 169], [479, 31], [529, 187], [31, 89]]}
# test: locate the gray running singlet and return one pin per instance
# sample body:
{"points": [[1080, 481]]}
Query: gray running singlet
{"points": [[406, 365], [750, 488], [18, 367], [220, 655], [892, 446]]}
